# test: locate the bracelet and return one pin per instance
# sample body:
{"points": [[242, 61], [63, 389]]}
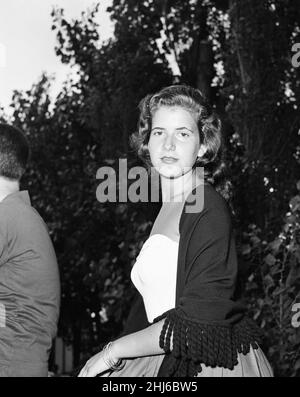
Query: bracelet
{"points": [[115, 365]]}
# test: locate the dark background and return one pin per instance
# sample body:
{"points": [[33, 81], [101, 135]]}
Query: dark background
{"points": [[239, 53]]}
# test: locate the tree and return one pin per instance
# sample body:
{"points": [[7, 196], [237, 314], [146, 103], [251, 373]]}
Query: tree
{"points": [[238, 54], [262, 89]]}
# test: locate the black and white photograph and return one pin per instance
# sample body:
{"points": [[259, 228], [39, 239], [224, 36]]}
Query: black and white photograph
{"points": [[149, 191]]}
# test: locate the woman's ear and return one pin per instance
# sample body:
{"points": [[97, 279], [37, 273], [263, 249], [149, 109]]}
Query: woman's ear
{"points": [[202, 151]]}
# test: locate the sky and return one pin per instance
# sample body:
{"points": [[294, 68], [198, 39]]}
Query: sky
{"points": [[27, 42]]}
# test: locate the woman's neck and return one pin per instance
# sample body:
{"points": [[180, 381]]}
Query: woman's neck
{"points": [[7, 187], [177, 189]]}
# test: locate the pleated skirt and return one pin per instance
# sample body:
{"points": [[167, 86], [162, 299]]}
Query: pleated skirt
{"points": [[253, 364]]}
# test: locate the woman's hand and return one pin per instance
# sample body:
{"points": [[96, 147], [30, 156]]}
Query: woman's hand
{"points": [[114, 354], [95, 365]]}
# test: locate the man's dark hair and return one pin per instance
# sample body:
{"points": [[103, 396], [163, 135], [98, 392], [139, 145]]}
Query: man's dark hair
{"points": [[14, 152]]}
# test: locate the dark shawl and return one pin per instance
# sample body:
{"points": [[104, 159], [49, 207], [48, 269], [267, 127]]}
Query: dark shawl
{"points": [[207, 324]]}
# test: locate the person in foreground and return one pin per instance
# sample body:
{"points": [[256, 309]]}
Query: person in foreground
{"points": [[29, 277], [186, 271]]}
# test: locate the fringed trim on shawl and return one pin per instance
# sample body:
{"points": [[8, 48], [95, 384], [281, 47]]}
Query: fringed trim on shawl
{"points": [[196, 343]]}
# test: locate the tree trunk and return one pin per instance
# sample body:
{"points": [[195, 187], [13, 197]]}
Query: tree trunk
{"points": [[205, 68]]}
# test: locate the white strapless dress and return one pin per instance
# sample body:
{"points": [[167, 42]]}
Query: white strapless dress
{"points": [[154, 274]]}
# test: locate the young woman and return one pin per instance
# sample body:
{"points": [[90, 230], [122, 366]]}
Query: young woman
{"points": [[186, 271]]}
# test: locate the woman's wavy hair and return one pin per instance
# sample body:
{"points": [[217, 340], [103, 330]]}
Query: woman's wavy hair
{"points": [[209, 126]]}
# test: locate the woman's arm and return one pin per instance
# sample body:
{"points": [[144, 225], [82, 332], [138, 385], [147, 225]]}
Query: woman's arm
{"points": [[138, 344]]}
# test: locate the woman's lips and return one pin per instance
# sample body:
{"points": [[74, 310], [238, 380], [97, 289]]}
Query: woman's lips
{"points": [[169, 160]]}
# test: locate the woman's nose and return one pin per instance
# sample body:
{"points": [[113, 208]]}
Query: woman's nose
{"points": [[169, 143]]}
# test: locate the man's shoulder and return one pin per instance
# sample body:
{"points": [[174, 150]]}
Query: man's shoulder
{"points": [[17, 214], [9, 208], [7, 211]]}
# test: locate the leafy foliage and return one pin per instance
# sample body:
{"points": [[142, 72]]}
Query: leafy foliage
{"points": [[238, 54], [273, 287]]}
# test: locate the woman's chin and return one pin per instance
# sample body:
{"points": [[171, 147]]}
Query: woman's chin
{"points": [[170, 172]]}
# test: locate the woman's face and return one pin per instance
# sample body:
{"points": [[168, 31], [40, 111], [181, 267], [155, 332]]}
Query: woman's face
{"points": [[174, 142]]}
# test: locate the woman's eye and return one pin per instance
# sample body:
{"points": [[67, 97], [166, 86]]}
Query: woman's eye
{"points": [[184, 134], [156, 132]]}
